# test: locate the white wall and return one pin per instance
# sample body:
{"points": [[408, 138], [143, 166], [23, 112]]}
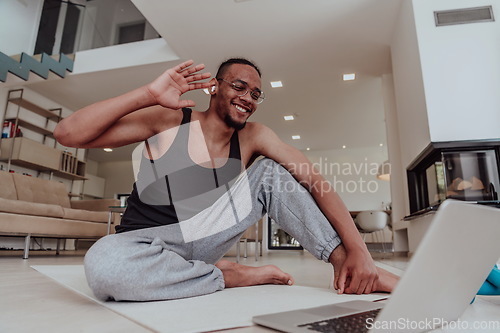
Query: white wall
{"points": [[408, 85], [19, 28], [125, 55], [3, 101], [92, 167], [94, 186], [399, 188], [461, 72], [352, 172], [119, 177], [399, 185]]}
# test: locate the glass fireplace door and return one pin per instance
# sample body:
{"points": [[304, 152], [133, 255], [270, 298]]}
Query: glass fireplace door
{"points": [[462, 170], [471, 175]]}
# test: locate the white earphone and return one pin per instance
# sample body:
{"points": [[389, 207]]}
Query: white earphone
{"points": [[213, 88]]}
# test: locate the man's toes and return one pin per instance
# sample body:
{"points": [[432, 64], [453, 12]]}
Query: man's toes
{"points": [[386, 282], [286, 279], [279, 276]]}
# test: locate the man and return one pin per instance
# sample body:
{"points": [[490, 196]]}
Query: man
{"points": [[174, 234]]}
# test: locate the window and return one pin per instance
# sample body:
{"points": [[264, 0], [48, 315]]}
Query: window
{"points": [[131, 33]]}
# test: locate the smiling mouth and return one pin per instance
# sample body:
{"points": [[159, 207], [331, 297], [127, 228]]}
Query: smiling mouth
{"points": [[241, 109]]}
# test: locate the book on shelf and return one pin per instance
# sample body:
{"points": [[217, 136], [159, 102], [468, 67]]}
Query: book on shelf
{"points": [[7, 127], [10, 130]]}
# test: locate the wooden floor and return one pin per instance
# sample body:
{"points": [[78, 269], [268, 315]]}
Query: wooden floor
{"points": [[32, 302]]}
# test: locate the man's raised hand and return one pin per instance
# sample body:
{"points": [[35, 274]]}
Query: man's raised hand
{"points": [[167, 89]]}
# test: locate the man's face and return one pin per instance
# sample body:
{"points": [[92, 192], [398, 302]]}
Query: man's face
{"points": [[234, 109]]}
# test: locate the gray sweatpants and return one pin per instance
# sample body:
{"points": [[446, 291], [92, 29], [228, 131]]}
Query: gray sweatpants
{"points": [[168, 262]]}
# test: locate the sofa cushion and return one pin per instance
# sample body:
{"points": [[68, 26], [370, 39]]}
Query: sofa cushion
{"points": [[17, 224], [38, 190], [7, 187], [30, 208], [85, 215]]}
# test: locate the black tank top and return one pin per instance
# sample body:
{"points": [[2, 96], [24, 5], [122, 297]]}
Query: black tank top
{"points": [[173, 188]]}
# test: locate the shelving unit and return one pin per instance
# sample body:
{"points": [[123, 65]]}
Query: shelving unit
{"points": [[71, 166], [36, 155]]}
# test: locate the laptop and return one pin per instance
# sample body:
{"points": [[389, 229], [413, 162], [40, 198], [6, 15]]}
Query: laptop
{"points": [[453, 260]]}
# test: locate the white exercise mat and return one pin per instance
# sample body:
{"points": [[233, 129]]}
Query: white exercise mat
{"points": [[233, 307]]}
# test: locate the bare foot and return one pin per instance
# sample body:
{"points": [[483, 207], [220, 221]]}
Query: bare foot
{"points": [[386, 281], [236, 275]]}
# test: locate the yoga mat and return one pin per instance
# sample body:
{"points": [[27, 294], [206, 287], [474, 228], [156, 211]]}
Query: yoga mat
{"points": [[232, 307]]}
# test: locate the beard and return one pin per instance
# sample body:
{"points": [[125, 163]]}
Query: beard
{"points": [[231, 123]]}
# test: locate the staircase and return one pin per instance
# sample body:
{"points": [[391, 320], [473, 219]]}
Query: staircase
{"points": [[40, 65]]}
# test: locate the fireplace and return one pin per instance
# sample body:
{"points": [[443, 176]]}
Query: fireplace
{"points": [[462, 170]]}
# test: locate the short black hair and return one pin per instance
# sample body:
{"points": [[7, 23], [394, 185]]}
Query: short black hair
{"points": [[226, 64]]}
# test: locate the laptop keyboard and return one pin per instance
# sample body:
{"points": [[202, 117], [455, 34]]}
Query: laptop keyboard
{"points": [[352, 323]]}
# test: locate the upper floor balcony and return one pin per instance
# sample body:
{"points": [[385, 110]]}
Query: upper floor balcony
{"points": [[60, 26]]}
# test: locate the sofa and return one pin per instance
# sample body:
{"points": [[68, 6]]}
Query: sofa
{"points": [[34, 207]]}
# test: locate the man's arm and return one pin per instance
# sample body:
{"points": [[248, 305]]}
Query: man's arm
{"points": [[134, 116], [358, 266]]}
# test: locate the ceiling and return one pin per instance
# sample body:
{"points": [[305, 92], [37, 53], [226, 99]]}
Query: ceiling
{"points": [[306, 44]]}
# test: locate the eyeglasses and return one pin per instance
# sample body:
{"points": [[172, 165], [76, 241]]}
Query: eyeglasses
{"points": [[242, 89]]}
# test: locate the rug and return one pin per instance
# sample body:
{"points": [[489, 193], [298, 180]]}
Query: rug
{"points": [[225, 309]]}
